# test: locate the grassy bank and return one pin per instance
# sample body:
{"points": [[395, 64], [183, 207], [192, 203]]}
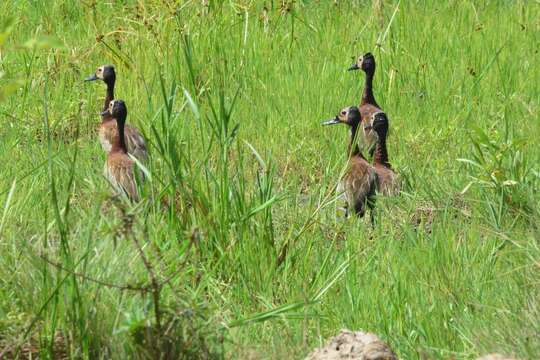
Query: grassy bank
{"points": [[239, 228]]}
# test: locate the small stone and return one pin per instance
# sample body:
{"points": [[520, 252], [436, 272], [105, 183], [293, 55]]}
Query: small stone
{"points": [[354, 346]]}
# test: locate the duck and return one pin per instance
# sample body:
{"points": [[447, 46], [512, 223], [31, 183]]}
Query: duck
{"points": [[359, 183], [119, 168], [135, 142], [368, 105], [388, 182]]}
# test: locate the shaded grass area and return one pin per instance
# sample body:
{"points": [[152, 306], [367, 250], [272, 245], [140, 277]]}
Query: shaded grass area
{"points": [[239, 223]]}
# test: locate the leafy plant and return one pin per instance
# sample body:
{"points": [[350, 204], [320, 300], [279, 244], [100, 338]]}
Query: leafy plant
{"points": [[498, 166]]}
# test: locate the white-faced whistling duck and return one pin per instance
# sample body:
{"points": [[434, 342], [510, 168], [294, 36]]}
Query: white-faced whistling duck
{"points": [[360, 181], [388, 180], [136, 145], [120, 168], [368, 105]]}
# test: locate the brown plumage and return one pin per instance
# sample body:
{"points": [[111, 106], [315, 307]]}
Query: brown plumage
{"points": [[388, 181], [368, 105], [359, 183], [120, 168], [107, 131]]}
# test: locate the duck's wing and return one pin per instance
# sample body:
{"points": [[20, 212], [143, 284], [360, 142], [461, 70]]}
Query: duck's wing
{"points": [[136, 144]]}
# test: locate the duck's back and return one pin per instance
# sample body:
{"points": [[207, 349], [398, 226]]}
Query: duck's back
{"points": [[388, 182], [368, 110]]}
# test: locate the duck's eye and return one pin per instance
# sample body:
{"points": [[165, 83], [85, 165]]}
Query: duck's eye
{"points": [[98, 70], [343, 112]]}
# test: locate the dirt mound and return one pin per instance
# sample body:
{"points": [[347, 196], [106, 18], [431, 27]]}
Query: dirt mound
{"points": [[495, 357], [354, 345]]}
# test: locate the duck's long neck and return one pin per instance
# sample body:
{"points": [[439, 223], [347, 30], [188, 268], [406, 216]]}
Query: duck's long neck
{"points": [[381, 154], [119, 143], [367, 95], [109, 95], [353, 149]]}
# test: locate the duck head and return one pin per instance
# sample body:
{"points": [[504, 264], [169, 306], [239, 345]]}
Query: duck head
{"points": [[363, 128], [380, 124], [117, 109], [105, 73], [349, 116], [365, 62]]}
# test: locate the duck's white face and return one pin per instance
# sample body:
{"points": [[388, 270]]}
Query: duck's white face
{"points": [[344, 117], [99, 72], [111, 106], [349, 115], [359, 61], [358, 64], [364, 62], [105, 73], [116, 109]]}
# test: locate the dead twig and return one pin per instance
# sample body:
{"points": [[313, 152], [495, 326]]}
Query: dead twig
{"points": [[97, 281]]}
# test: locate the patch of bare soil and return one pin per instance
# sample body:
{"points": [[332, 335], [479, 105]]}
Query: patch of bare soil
{"points": [[31, 349], [354, 345]]}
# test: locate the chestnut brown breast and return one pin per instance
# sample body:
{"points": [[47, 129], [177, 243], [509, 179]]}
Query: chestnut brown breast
{"points": [[135, 143], [359, 185], [119, 170]]}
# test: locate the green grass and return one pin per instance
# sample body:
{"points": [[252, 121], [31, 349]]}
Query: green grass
{"points": [[231, 110]]}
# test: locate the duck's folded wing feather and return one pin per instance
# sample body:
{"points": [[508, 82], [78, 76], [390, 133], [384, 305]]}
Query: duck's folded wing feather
{"points": [[136, 144]]}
